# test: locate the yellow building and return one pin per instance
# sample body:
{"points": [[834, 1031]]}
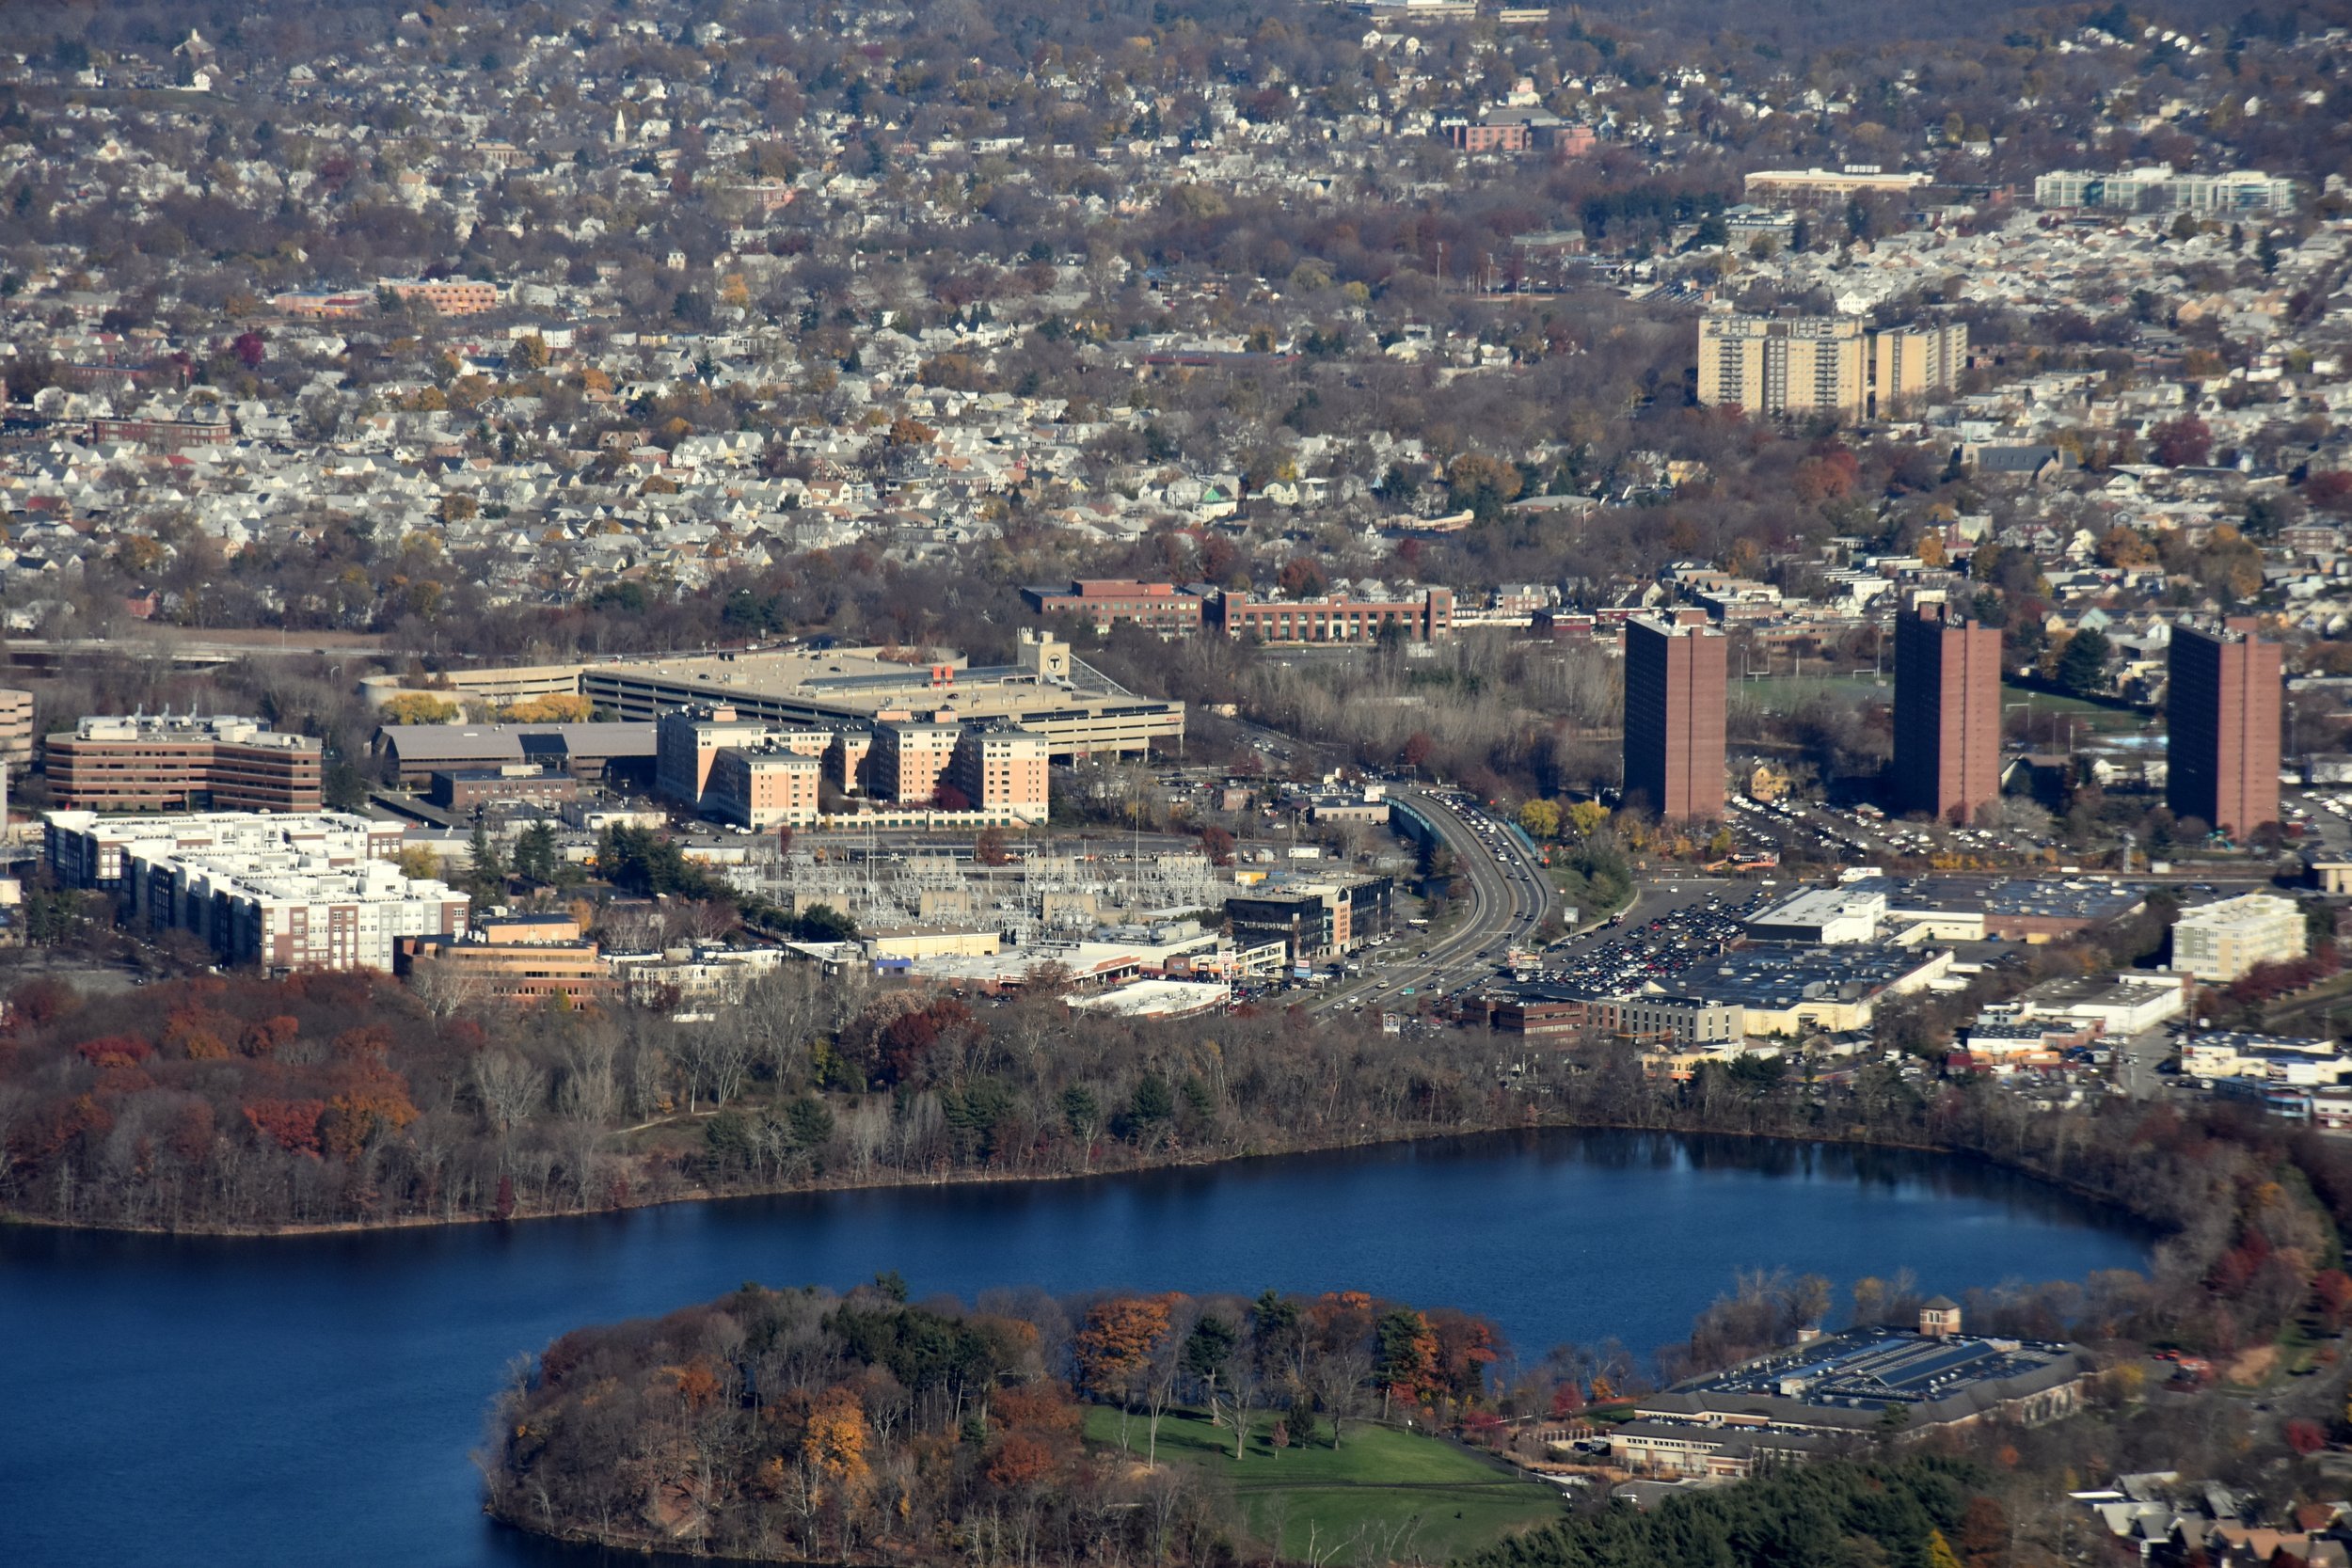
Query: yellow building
{"points": [[1916, 362], [1778, 364], [1783, 364]]}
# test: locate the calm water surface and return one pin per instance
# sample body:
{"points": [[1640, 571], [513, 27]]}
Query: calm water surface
{"points": [[313, 1401]]}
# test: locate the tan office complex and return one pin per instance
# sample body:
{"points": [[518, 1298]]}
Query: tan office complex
{"points": [[1947, 713], [1675, 678], [1778, 364], [1078, 712]]}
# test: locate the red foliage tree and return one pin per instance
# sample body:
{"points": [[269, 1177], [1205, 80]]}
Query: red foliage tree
{"points": [[2182, 443], [2304, 1436], [114, 1050], [292, 1125]]}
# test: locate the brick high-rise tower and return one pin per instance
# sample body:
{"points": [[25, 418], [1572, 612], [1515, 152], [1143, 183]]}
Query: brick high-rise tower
{"points": [[1673, 718], [2224, 748], [1948, 713]]}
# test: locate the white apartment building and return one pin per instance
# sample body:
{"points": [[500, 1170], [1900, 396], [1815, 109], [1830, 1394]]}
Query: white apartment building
{"points": [[2217, 942], [88, 850]]}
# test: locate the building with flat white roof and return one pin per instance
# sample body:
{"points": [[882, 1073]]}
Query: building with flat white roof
{"points": [[2217, 942], [289, 908], [88, 850], [1824, 916]]}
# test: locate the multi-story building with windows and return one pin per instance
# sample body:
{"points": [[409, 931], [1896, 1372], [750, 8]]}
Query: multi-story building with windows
{"points": [[515, 959], [1001, 769], [2157, 188], [2217, 942], [285, 909], [87, 851], [1106, 602], [16, 727], [1779, 365], [1317, 920], [1948, 713], [763, 786], [1339, 617], [1913, 362], [2223, 704], [450, 296], [151, 762], [909, 761], [1675, 681]]}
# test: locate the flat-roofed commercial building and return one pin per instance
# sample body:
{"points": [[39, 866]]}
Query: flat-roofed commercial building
{"points": [[86, 849], [1316, 919], [149, 762], [515, 960], [1811, 1399], [464, 789], [1078, 711], [597, 753], [1947, 713], [2223, 704], [1106, 602], [1675, 679], [1339, 617], [450, 296], [2157, 188], [1813, 186]]}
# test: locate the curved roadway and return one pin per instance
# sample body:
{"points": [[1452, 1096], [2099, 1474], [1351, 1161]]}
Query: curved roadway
{"points": [[1509, 895]]}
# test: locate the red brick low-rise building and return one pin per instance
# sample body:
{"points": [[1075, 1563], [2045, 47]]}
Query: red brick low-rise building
{"points": [[1106, 602], [1335, 618]]}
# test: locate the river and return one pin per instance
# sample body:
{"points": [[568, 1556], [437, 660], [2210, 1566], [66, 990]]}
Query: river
{"points": [[313, 1399]]}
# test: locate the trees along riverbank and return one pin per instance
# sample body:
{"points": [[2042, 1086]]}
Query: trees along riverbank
{"points": [[331, 1101]]}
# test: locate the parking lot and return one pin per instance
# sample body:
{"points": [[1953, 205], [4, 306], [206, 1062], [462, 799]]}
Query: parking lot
{"points": [[1669, 928]]}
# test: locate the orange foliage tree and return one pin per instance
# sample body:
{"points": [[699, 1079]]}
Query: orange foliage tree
{"points": [[1115, 1349]]}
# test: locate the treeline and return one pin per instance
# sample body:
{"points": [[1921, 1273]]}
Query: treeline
{"points": [[326, 1099], [805, 1426], [1924, 1511]]}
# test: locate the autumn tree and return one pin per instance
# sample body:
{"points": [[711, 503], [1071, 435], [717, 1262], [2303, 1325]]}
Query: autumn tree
{"points": [[416, 708], [1115, 1351], [1407, 1366], [2186, 442]]}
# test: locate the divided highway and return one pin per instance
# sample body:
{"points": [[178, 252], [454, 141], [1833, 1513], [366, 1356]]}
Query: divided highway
{"points": [[1506, 894]]}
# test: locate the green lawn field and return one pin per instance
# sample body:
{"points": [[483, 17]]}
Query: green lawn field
{"points": [[1383, 1495]]}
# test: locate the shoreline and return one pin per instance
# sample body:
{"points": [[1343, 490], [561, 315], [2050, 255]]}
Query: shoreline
{"points": [[983, 1179]]}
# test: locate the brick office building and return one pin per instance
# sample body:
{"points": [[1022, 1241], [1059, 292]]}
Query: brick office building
{"points": [[2224, 747], [149, 762], [1675, 678], [1948, 713]]}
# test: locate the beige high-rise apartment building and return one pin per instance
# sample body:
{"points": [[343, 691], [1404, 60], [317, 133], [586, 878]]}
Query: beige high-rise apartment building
{"points": [[1917, 361], [1783, 364], [1778, 364]]}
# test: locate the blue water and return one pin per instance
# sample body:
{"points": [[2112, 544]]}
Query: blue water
{"points": [[313, 1401]]}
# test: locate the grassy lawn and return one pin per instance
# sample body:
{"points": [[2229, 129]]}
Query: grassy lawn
{"points": [[2089, 718], [1785, 694], [1387, 1496]]}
